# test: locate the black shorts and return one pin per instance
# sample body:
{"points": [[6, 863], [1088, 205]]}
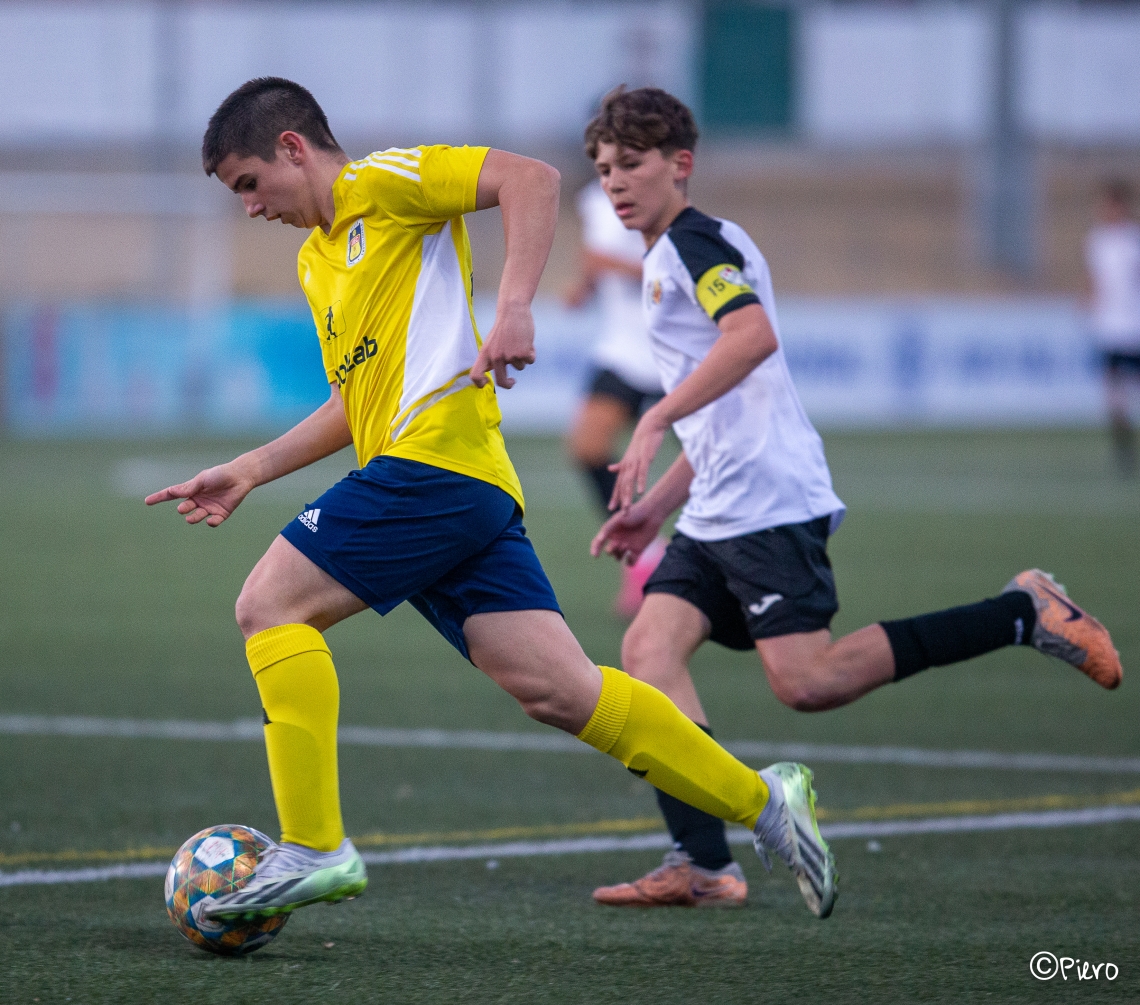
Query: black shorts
{"points": [[772, 582], [608, 384], [1120, 363]]}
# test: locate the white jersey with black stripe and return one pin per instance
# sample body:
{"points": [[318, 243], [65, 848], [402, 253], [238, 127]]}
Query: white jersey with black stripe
{"points": [[758, 461]]}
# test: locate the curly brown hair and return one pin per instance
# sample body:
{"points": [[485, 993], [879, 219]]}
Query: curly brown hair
{"points": [[647, 118]]}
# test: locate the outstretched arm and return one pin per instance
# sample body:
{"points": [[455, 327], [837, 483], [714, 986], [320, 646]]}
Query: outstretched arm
{"points": [[527, 192], [212, 495], [746, 340]]}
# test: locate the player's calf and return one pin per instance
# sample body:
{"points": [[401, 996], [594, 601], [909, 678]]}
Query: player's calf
{"points": [[810, 673]]}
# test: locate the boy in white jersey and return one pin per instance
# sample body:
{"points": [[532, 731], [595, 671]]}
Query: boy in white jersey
{"points": [[624, 379], [433, 516], [748, 566], [1112, 256]]}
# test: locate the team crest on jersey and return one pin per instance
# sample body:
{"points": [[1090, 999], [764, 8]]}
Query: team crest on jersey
{"points": [[655, 291], [355, 242], [731, 274]]}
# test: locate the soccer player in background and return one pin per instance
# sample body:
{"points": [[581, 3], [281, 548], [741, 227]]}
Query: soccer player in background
{"points": [[1112, 256], [624, 380], [433, 515], [748, 565]]}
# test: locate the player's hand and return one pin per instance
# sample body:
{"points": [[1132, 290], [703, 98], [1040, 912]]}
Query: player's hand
{"points": [[211, 495], [510, 342], [626, 534], [633, 469]]}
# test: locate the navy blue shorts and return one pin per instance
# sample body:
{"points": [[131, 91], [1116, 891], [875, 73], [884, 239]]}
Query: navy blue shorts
{"points": [[450, 545]]}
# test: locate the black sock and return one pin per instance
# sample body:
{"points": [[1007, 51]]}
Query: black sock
{"points": [[604, 480], [694, 831], [960, 633]]}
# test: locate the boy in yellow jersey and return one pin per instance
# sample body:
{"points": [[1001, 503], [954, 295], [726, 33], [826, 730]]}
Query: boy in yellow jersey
{"points": [[433, 515]]}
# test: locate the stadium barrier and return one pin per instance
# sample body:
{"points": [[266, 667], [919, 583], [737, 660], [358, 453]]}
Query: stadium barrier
{"points": [[105, 369]]}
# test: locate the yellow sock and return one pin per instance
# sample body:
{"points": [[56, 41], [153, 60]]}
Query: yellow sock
{"points": [[643, 729], [297, 682]]}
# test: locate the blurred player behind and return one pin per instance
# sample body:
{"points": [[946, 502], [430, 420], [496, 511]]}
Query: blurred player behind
{"points": [[624, 379], [748, 566], [1112, 255]]}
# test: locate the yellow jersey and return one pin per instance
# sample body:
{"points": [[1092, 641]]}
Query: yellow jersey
{"points": [[390, 291]]}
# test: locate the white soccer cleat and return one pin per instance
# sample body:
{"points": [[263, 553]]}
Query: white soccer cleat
{"points": [[787, 828], [289, 876]]}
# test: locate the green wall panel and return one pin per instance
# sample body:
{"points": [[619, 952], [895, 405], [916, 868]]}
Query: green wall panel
{"points": [[747, 78]]}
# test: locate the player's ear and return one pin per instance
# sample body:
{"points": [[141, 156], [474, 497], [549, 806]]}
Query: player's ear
{"points": [[293, 144], [682, 161]]}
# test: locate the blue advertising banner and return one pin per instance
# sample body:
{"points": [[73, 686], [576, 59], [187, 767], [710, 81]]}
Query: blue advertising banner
{"points": [[110, 368], [130, 369]]}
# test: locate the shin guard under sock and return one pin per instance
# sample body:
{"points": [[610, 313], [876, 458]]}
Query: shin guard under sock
{"points": [[295, 677], [643, 729], [960, 633], [697, 833]]}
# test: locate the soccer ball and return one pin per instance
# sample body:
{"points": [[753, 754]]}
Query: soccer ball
{"points": [[214, 862]]}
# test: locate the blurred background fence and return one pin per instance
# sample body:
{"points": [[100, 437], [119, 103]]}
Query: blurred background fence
{"points": [[919, 175]]}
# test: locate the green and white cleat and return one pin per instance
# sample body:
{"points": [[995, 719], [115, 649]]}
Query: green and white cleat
{"points": [[289, 876], [787, 828]]}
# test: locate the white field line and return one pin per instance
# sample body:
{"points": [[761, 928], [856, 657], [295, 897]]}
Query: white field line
{"points": [[372, 736], [637, 842], [46, 877]]}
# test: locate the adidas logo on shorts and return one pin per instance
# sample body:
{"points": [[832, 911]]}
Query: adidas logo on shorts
{"points": [[309, 519]]}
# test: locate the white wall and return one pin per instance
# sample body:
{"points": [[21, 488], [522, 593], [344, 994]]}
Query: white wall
{"points": [[432, 70], [874, 74], [83, 70], [868, 73], [1081, 73]]}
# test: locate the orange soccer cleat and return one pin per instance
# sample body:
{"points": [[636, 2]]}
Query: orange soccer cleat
{"points": [[1065, 631], [679, 883]]}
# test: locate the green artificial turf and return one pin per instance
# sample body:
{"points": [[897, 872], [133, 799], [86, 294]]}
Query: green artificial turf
{"points": [[111, 609]]}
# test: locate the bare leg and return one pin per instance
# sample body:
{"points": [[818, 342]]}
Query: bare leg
{"points": [[285, 588], [658, 646], [595, 430], [806, 671], [534, 657], [810, 673]]}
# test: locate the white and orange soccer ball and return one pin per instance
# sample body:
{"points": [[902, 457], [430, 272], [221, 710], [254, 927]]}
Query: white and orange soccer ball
{"points": [[214, 862]]}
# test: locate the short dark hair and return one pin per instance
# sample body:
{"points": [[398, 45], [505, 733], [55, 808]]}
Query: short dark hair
{"points": [[647, 118], [249, 121]]}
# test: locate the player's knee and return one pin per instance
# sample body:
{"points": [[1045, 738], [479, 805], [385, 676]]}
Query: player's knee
{"points": [[588, 451], [550, 708], [796, 689], [645, 654], [250, 611]]}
